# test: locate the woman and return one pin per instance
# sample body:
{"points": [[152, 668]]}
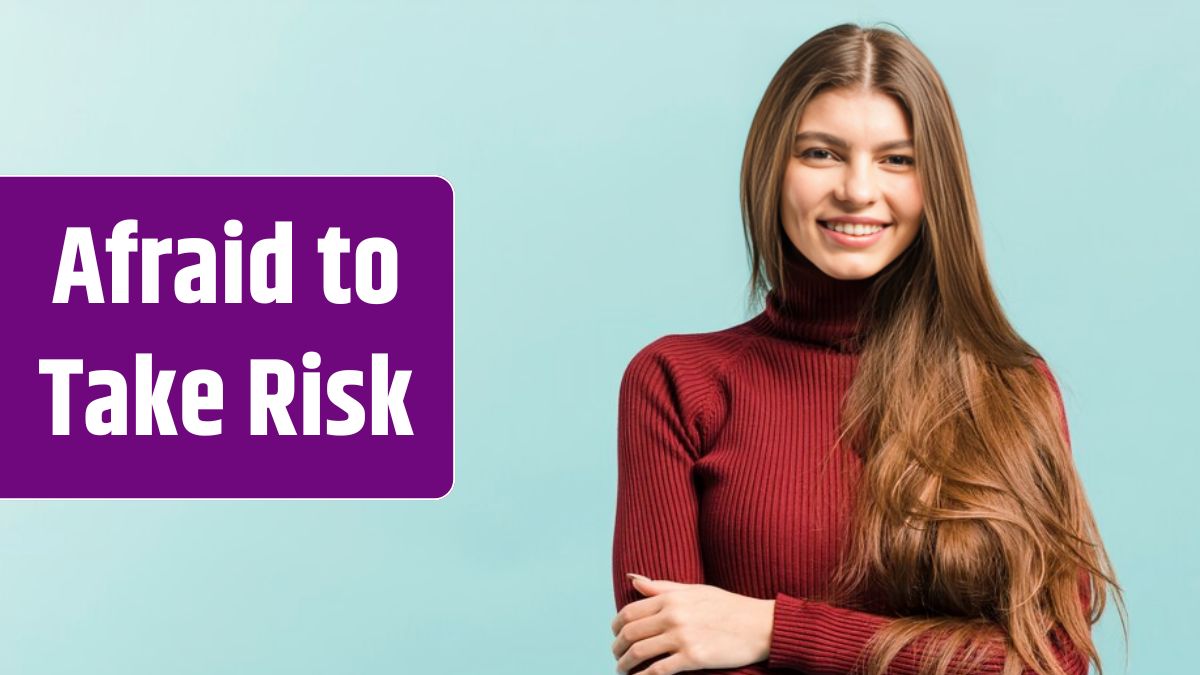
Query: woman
{"points": [[874, 474]]}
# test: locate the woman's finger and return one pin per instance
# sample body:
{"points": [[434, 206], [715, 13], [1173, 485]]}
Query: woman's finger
{"points": [[675, 663], [643, 650], [637, 630], [662, 585], [636, 610]]}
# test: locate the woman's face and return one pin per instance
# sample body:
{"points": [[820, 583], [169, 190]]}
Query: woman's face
{"points": [[851, 165]]}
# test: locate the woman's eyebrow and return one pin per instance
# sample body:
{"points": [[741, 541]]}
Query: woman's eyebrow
{"points": [[837, 142]]}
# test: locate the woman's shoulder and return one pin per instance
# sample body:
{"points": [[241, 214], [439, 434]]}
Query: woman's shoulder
{"points": [[680, 356], [678, 374], [1039, 362]]}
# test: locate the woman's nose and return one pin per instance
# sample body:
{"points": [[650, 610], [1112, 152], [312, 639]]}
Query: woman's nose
{"points": [[859, 185]]}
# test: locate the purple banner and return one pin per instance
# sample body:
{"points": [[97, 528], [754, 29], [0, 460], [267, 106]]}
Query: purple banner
{"points": [[227, 337]]}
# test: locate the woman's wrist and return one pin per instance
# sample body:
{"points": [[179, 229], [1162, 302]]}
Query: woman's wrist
{"points": [[767, 621]]}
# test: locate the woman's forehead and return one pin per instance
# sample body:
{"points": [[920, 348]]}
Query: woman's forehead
{"points": [[855, 116]]}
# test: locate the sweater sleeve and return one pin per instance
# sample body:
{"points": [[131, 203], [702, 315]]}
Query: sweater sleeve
{"points": [[660, 415], [821, 639], [658, 441]]}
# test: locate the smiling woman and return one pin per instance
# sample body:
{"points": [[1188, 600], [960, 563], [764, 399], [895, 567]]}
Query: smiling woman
{"points": [[875, 473]]}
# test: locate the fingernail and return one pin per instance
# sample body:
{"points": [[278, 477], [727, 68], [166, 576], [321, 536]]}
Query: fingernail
{"points": [[631, 575]]}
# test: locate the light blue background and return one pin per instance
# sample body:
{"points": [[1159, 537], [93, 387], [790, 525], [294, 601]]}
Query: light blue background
{"points": [[594, 149]]}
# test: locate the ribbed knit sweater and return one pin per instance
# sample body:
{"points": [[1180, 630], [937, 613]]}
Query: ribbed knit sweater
{"points": [[720, 440]]}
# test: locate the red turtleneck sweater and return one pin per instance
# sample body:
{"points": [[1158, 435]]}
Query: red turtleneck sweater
{"points": [[719, 441]]}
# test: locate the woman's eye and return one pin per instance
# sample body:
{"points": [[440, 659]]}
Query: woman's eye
{"points": [[817, 153], [905, 160]]}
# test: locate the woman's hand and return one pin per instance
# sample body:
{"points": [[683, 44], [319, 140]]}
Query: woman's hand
{"points": [[699, 626]]}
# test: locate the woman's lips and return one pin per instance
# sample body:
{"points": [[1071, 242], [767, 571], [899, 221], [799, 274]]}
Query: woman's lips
{"points": [[850, 222], [852, 240]]}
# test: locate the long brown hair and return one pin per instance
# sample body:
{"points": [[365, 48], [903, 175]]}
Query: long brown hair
{"points": [[971, 522]]}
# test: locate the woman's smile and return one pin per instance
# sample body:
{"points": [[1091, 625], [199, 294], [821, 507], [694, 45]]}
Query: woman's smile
{"points": [[853, 236]]}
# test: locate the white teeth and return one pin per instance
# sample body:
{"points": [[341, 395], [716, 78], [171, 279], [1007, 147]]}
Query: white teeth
{"points": [[854, 229]]}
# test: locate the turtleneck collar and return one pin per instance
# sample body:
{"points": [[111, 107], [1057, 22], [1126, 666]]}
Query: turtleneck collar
{"points": [[815, 308]]}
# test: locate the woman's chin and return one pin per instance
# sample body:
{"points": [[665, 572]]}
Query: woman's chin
{"points": [[849, 267]]}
